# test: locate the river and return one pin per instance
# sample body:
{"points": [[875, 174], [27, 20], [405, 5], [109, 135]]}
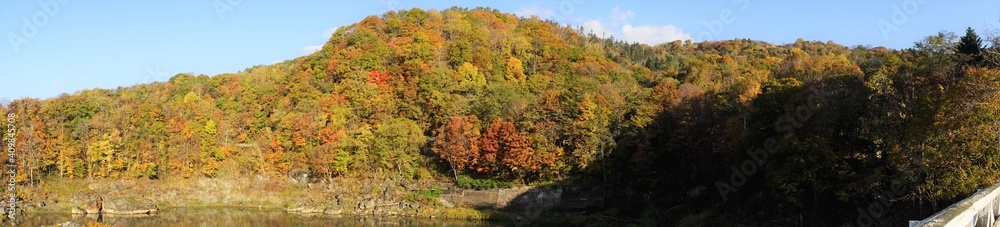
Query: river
{"points": [[230, 216]]}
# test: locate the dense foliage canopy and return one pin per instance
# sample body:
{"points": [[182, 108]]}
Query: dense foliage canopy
{"points": [[743, 130]]}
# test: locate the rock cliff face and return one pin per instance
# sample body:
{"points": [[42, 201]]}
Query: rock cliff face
{"points": [[529, 200], [367, 206]]}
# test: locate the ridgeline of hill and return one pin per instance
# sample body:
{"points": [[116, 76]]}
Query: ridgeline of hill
{"points": [[716, 133]]}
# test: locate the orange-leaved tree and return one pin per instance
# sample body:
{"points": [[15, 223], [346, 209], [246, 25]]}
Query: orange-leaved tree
{"points": [[458, 143], [505, 148]]}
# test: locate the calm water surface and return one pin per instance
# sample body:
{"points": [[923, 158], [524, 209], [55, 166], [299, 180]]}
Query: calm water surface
{"points": [[229, 216]]}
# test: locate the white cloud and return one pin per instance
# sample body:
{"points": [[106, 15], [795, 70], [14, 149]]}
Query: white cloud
{"points": [[329, 32], [653, 34], [597, 28], [312, 49], [542, 13], [618, 16], [618, 25]]}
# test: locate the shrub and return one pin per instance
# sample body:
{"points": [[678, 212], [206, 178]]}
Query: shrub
{"points": [[481, 184]]}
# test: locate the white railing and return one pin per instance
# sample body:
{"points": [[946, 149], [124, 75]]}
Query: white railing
{"points": [[980, 210]]}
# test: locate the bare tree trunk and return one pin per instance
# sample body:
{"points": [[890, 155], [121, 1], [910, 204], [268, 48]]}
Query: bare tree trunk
{"points": [[453, 170]]}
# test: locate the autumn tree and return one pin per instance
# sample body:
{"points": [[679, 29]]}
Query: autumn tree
{"points": [[514, 70], [470, 79], [668, 120], [210, 154], [458, 143], [31, 139], [505, 149], [586, 140]]}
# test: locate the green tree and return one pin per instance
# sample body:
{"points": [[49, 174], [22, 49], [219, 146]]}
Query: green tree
{"points": [[396, 146], [971, 47], [943, 43]]}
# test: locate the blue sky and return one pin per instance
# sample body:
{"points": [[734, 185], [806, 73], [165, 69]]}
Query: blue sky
{"points": [[49, 47]]}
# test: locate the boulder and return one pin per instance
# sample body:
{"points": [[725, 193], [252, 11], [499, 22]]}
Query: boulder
{"points": [[305, 208], [94, 206], [370, 204], [445, 202], [129, 206], [333, 207], [69, 224], [77, 210]]}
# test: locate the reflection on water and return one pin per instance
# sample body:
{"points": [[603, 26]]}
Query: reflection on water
{"points": [[230, 216]]}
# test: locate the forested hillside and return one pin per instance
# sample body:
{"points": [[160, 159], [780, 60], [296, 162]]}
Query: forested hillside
{"points": [[716, 132]]}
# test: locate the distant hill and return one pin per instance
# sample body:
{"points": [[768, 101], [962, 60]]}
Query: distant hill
{"points": [[714, 132]]}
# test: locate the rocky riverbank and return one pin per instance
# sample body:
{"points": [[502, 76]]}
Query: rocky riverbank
{"points": [[117, 206], [427, 198]]}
